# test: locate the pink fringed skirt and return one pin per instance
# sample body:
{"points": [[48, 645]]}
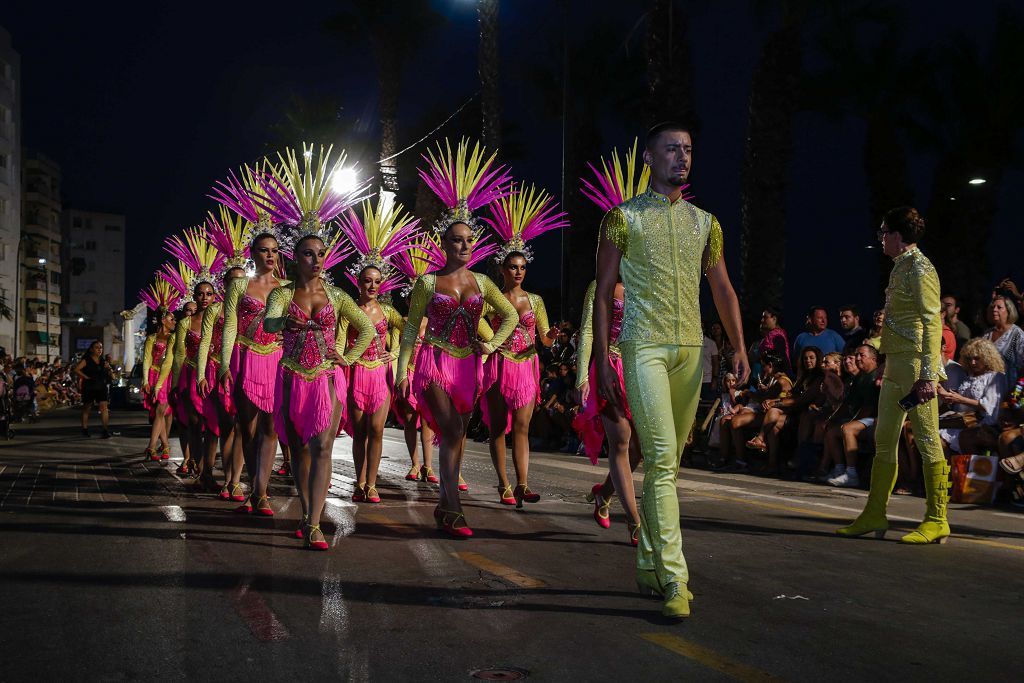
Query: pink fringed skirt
{"points": [[370, 388], [310, 402], [399, 409], [255, 374], [459, 378], [188, 392], [518, 382], [587, 422], [150, 402]]}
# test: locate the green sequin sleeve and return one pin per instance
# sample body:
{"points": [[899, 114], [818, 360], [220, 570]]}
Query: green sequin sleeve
{"points": [[418, 298], [210, 316], [179, 349], [586, 346], [926, 289], [483, 326], [345, 307], [167, 365], [715, 245], [504, 308], [275, 317], [615, 229], [540, 315], [236, 290], [147, 357]]}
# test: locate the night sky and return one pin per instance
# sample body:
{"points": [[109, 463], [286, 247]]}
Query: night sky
{"points": [[144, 110]]}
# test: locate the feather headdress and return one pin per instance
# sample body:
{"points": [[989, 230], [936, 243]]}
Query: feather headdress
{"points": [[237, 192], [423, 256], [230, 237], [383, 233], [160, 293], [618, 181], [305, 199], [463, 182], [197, 259], [521, 216]]}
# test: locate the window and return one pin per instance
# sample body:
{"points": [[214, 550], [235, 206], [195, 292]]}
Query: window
{"points": [[112, 228]]}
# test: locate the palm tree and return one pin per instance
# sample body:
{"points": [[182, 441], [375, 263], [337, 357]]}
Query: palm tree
{"points": [[394, 32], [490, 97]]}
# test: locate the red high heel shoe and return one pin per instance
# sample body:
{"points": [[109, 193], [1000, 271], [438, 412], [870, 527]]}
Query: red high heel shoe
{"points": [[359, 493], [413, 474], [262, 507], [151, 452], [427, 474], [448, 521], [463, 486], [245, 507], [165, 454], [321, 544], [225, 493], [302, 525], [506, 497], [634, 533], [284, 470], [236, 493], [371, 494], [602, 515], [523, 494]]}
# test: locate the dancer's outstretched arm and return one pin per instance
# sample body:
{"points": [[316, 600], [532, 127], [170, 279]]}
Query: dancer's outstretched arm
{"points": [[725, 300], [612, 246]]}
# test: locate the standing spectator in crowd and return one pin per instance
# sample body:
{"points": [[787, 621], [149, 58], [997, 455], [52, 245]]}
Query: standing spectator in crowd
{"points": [[841, 440], [773, 340], [849, 327], [1009, 289], [709, 381], [874, 338], [562, 350], [96, 374], [961, 332], [980, 394], [1008, 338], [818, 334]]}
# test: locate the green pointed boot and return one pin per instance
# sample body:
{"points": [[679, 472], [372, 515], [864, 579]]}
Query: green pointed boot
{"points": [[872, 520], [934, 528]]}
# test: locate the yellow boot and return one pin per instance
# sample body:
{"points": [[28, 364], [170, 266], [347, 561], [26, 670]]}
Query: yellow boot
{"points": [[872, 519], [934, 528]]}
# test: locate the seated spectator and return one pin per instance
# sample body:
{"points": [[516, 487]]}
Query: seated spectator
{"points": [[849, 369], [961, 333], [770, 384], [1008, 338], [841, 438], [955, 373], [814, 409], [779, 411], [818, 334], [849, 327], [1011, 439], [874, 338], [726, 407], [979, 395]]}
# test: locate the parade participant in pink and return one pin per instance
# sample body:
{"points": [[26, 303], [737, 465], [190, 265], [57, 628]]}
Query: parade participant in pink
{"points": [[383, 232], [448, 365], [310, 392], [249, 355], [426, 256], [196, 259], [511, 383], [160, 298]]}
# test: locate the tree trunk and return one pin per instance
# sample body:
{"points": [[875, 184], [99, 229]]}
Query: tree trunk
{"points": [[774, 99], [670, 93], [490, 97]]}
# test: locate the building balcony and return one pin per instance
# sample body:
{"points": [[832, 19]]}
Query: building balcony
{"points": [[32, 325], [40, 351], [31, 261], [44, 198], [34, 294]]}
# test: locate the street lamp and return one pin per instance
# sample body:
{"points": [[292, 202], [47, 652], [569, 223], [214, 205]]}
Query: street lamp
{"points": [[345, 180], [976, 181]]}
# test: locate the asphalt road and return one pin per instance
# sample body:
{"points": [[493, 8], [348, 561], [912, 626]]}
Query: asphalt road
{"points": [[111, 569]]}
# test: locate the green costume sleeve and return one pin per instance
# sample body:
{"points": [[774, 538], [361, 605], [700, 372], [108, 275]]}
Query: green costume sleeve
{"points": [[418, 299], [927, 293], [503, 307], [348, 309], [716, 243], [167, 364], [236, 290], [210, 316], [483, 326], [586, 346], [147, 357], [179, 349], [276, 314], [615, 228], [540, 315]]}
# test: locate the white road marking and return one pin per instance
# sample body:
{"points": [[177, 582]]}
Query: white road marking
{"points": [[173, 513]]}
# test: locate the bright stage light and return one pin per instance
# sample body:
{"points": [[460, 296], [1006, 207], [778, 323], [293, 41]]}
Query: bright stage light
{"points": [[345, 180], [976, 181]]}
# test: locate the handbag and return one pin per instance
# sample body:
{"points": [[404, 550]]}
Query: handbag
{"points": [[953, 420]]}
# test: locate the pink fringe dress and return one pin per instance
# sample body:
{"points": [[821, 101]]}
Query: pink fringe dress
{"points": [[188, 387], [256, 356], [515, 368], [371, 381], [150, 402], [459, 378], [587, 422], [217, 393], [305, 374], [413, 403]]}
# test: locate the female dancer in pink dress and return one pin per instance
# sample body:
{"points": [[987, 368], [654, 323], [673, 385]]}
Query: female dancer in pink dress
{"points": [[160, 298], [383, 232], [249, 355], [196, 259], [425, 256], [511, 383], [309, 397], [616, 182], [448, 365]]}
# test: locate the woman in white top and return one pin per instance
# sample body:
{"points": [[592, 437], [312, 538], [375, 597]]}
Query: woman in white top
{"points": [[981, 393], [1008, 338]]}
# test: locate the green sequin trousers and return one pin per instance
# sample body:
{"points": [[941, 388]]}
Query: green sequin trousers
{"points": [[663, 387], [901, 371]]}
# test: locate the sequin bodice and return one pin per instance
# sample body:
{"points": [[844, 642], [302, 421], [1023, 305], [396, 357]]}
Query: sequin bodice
{"points": [[308, 347], [523, 336], [453, 322], [250, 321], [192, 340], [378, 347], [159, 349]]}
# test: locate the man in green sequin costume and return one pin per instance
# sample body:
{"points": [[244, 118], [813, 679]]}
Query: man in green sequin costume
{"points": [[662, 245], [911, 342]]}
